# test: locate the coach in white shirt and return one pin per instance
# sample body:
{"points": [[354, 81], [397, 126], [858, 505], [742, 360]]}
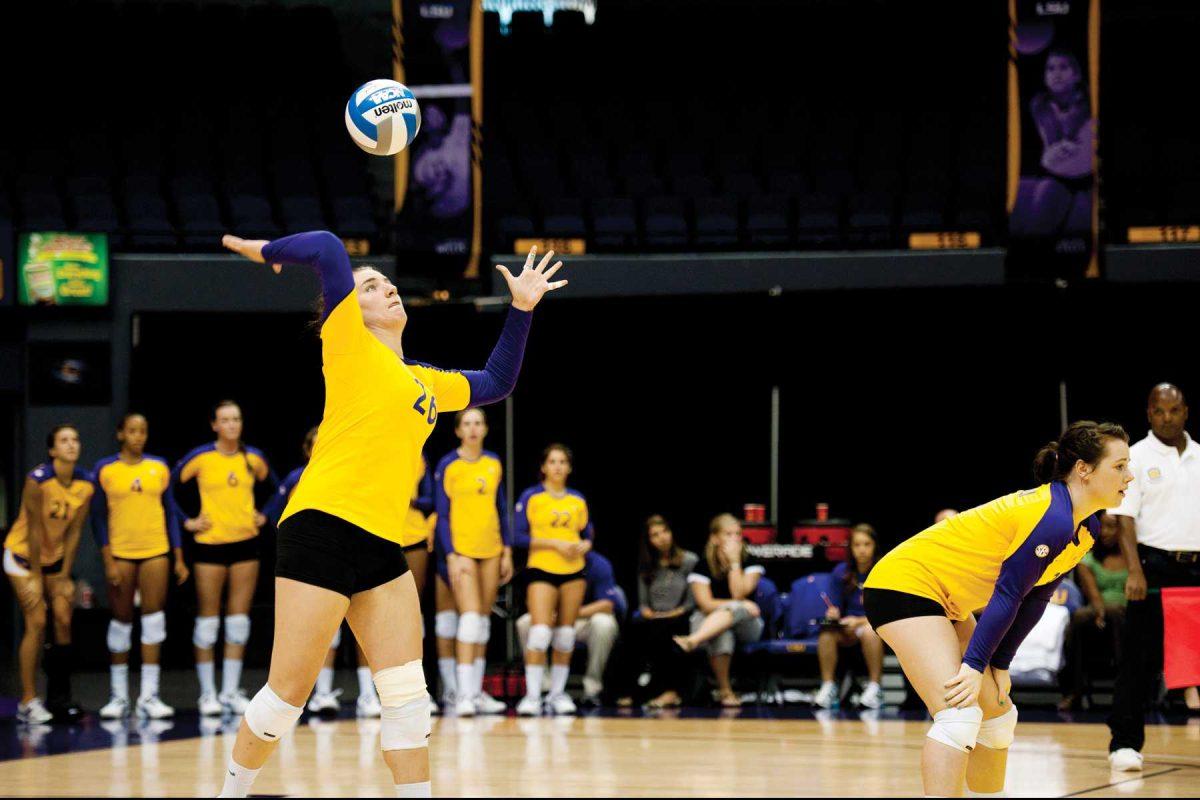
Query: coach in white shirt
{"points": [[1160, 537]]}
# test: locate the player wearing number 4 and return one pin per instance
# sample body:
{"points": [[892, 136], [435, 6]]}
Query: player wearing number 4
{"points": [[1008, 555], [473, 533], [339, 553]]}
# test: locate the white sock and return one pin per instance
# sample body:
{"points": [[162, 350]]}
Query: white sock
{"points": [[204, 671], [366, 685], [231, 675], [558, 678], [466, 681], [828, 684], [119, 680], [325, 680], [238, 780], [414, 789], [480, 669], [150, 673], [446, 670], [533, 679]]}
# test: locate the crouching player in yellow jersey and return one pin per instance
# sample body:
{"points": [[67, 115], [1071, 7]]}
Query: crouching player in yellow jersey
{"points": [[554, 523], [1009, 555], [225, 551], [136, 529], [38, 553], [475, 538], [339, 552]]}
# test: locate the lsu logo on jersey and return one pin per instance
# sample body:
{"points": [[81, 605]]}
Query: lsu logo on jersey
{"points": [[1041, 551], [136, 486]]}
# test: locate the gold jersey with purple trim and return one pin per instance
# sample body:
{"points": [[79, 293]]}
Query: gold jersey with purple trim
{"points": [[61, 505], [226, 485], [132, 508], [542, 515]]}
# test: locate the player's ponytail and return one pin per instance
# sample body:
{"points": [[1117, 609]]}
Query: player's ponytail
{"points": [[1081, 441]]}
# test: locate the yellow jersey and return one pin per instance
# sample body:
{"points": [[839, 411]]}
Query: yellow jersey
{"points": [[994, 555], [379, 410], [226, 484], [542, 515], [472, 518], [419, 523], [133, 508], [61, 506]]}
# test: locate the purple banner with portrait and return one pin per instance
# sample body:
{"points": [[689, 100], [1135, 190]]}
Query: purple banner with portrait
{"points": [[439, 55], [1053, 107]]}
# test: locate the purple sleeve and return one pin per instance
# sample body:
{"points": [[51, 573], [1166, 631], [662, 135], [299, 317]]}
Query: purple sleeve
{"points": [[498, 377], [273, 510], [1018, 574], [174, 534], [1031, 610], [521, 537], [423, 502], [442, 503], [100, 514], [506, 534], [322, 251]]}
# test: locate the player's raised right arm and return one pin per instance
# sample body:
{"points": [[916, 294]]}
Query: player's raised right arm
{"points": [[320, 250]]}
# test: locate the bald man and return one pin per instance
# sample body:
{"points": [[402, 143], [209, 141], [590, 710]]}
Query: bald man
{"points": [[1160, 537]]}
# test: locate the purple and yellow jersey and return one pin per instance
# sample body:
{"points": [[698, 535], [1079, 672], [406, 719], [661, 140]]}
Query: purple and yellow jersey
{"points": [[472, 518], [226, 484], [539, 514], [274, 507], [1008, 555], [420, 521], [133, 508], [60, 507]]}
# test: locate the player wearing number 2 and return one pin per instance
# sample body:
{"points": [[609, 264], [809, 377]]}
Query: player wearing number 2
{"points": [[339, 552], [553, 522]]}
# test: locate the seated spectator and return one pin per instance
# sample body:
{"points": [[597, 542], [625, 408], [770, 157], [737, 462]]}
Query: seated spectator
{"points": [[854, 631], [664, 604], [604, 605], [722, 583], [1101, 575], [1039, 660]]}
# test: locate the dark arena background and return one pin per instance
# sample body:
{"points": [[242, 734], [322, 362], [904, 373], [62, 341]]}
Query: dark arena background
{"points": [[830, 263]]}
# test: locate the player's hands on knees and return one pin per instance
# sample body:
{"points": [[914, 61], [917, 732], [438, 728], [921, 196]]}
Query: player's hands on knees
{"points": [[1135, 585], [962, 690], [248, 248], [63, 588], [528, 287]]}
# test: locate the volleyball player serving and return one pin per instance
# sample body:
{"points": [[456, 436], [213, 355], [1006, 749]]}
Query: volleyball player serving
{"points": [[339, 553], [1010, 555]]}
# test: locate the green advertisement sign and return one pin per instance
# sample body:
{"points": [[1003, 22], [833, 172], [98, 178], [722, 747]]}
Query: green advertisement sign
{"points": [[65, 269]]}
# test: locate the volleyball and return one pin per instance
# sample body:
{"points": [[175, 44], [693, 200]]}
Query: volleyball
{"points": [[383, 117]]}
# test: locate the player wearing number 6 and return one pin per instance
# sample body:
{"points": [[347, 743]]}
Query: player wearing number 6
{"points": [[553, 522], [339, 551]]}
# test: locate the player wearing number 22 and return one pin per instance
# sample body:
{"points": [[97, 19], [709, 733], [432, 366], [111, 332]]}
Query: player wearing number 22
{"points": [[340, 539]]}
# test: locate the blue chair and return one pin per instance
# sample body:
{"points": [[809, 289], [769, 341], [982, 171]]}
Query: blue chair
{"points": [[801, 617]]}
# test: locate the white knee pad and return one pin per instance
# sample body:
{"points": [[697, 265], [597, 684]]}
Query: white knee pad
{"points": [[337, 639], [406, 727], [120, 636], [445, 624], [540, 637], [400, 685], [998, 733], [957, 727], [237, 629], [485, 631], [154, 628], [269, 717], [564, 639], [469, 626], [204, 634]]}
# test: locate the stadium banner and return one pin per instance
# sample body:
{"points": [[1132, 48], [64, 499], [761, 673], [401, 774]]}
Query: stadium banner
{"points": [[1053, 99], [438, 53], [63, 269]]}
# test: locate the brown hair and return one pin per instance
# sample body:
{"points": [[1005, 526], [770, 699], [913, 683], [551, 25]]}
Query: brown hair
{"points": [[310, 439], [55, 431], [1081, 441], [562, 448], [458, 415], [851, 577], [712, 553], [648, 563], [319, 304]]}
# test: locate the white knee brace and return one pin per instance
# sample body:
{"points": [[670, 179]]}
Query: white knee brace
{"points": [[406, 720], [337, 639], [539, 638], [564, 639], [154, 628], [485, 631], [445, 624], [204, 634], [998, 733], [469, 626], [269, 717], [237, 629], [957, 727], [120, 636]]}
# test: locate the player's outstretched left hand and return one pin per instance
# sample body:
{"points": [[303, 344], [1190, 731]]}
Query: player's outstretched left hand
{"points": [[533, 282], [248, 248]]}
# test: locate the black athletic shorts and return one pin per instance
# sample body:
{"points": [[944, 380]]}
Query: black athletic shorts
{"points": [[141, 560], [47, 569], [887, 605], [554, 579], [226, 554], [408, 548], [323, 550]]}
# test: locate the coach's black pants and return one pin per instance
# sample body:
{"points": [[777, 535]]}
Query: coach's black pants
{"points": [[1142, 650]]}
